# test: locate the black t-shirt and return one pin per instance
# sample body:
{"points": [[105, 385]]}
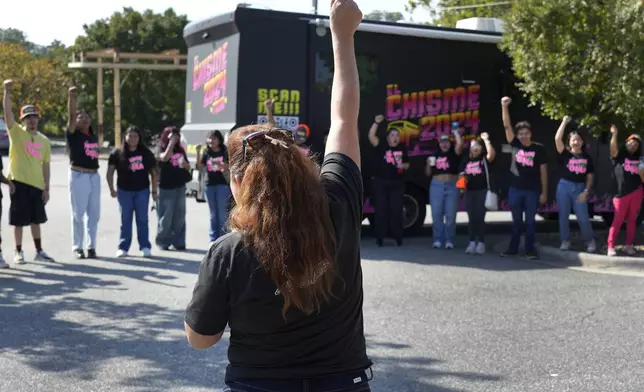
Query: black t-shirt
{"points": [[171, 174], [474, 169], [526, 165], [234, 289], [446, 162], [132, 168], [575, 167], [83, 149], [388, 159], [626, 169], [211, 161]]}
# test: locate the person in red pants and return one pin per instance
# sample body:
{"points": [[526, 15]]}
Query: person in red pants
{"points": [[629, 176]]}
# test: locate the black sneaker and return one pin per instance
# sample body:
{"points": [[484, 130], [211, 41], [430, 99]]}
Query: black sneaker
{"points": [[379, 242], [509, 253], [91, 253], [79, 254], [42, 256], [531, 255], [399, 242], [178, 248]]}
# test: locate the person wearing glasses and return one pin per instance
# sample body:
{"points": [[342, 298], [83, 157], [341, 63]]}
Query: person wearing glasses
{"points": [[287, 279], [29, 170]]}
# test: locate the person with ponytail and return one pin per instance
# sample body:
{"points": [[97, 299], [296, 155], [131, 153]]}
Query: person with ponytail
{"points": [[287, 279], [84, 180]]}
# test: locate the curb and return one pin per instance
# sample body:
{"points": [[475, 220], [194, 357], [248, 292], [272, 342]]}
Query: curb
{"points": [[570, 259], [590, 260]]}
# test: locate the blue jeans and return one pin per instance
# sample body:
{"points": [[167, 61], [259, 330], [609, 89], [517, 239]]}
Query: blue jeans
{"points": [[567, 193], [85, 197], [134, 204], [218, 197], [171, 213], [443, 199], [523, 201]]}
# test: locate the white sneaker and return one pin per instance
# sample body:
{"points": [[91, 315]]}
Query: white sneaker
{"points": [[470, 248], [480, 248], [611, 252], [19, 257], [591, 247], [437, 245], [449, 245], [42, 256], [565, 245], [121, 253], [3, 264], [146, 252], [630, 250]]}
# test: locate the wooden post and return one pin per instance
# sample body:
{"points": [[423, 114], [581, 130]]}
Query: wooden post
{"points": [[99, 104], [117, 103]]}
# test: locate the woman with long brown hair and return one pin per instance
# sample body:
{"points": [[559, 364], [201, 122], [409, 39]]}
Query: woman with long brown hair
{"points": [[287, 279]]}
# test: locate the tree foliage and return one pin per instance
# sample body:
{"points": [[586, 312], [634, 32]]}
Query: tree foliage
{"points": [[581, 58], [149, 99], [384, 16], [39, 80], [442, 14]]}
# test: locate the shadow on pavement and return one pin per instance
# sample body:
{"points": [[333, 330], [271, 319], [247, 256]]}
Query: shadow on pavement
{"points": [[398, 372], [48, 325]]}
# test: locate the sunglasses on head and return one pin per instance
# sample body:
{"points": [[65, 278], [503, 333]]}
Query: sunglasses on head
{"points": [[257, 138]]}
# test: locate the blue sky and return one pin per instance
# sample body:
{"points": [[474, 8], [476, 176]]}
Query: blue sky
{"points": [[63, 19]]}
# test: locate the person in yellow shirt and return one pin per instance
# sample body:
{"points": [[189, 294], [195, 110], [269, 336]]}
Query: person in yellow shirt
{"points": [[29, 157]]}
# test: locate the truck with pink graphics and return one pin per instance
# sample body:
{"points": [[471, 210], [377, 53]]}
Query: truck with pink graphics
{"points": [[420, 78]]}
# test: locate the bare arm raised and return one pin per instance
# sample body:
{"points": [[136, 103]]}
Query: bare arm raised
{"points": [[71, 109], [559, 143], [6, 104], [345, 93], [507, 122]]}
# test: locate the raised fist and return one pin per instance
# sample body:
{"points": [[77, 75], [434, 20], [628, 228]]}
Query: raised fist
{"points": [[345, 17], [379, 118], [269, 104], [8, 84], [485, 136], [506, 101], [613, 129], [567, 119]]}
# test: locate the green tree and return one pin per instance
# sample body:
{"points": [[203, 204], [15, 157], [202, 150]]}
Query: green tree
{"points": [[149, 99], [581, 58], [444, 14], [38, 80], [384, 16]]}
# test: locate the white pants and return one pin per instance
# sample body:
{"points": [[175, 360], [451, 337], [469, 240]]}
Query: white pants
{"points": [[85, 198]]}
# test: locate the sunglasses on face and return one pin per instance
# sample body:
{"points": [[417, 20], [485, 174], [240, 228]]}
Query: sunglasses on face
{"points": [[256, 139]]}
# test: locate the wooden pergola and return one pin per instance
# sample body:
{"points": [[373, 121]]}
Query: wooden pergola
{"points": [[112, 59]]}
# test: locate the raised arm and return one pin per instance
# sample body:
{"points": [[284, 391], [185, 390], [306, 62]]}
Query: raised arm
{"points": [[71, 109], [614, 147], [559, 143], [6, 104], [269, 104], [458, 147], [507, 122], [345, 92], [373, 139], [491, 152]]}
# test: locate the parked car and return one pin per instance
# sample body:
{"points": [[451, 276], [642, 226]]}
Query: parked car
{"points": [[4, 138]]}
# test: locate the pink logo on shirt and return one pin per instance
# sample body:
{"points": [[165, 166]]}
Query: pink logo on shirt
{"points": [[91, 150], [136, 163], [442, 163], [393, 157], [213, 164], [176, 159], [631, 166], [473, 168], [33, 149], [526, 158], [577, 165]]}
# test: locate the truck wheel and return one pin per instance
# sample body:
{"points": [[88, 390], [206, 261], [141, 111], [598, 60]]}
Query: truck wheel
{"points": [[414, 211]]}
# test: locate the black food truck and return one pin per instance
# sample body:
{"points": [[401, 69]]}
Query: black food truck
{"points": [[421, 78]]}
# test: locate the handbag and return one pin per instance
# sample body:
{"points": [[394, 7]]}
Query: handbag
{"points": [[491, 198]]}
